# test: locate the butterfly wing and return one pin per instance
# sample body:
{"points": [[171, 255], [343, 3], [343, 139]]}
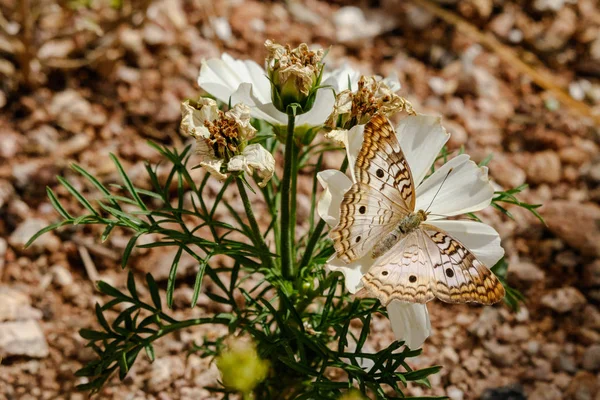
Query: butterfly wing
{"points": [[404, 273], [382, 195], [429, 263], [458, 276]]}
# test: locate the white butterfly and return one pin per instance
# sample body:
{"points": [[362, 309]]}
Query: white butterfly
{"points": [[415, 261]]}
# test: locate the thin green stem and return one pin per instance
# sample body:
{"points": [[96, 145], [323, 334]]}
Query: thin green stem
{"points": [[293, 195], [316, 234], [287, 260], [258, 239]]}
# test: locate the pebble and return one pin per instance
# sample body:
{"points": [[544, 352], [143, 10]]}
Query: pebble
{"points": [[544, 167], [591, 358], [165, 370], [583, 386], [61, 275], [564, 300], [16, 305], [575, 223], [525, 272], [22, 338], [545, 391], [455, 393], [48, 241]]}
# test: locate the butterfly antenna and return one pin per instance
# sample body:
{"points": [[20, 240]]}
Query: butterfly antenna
{"points": [[440, 188]]}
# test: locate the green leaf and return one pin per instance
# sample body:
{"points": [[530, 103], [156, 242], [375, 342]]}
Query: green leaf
{"points": [[150, 352], [75, 193], [154, 293], [128, 249], [45, 230], [101, 319], [130, 188], [56, 204], [172, 277], [131, 285], [107, 289]]}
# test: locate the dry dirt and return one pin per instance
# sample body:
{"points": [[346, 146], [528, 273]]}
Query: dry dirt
{"points": [[100, 80]]}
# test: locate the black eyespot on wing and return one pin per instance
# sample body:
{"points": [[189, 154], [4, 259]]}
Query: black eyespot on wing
{"points": [[449, 272], [412, 279], [379, 173], [384, 273], [362, 209], [358, 239]]}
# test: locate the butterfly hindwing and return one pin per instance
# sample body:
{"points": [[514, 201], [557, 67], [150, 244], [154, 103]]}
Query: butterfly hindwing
{"points": [[382, 195], [458, 276], [404, 273]]}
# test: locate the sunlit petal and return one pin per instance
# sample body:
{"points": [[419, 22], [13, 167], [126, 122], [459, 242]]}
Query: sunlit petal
{"points": [[335, 184], [410, 322], [421, 138], [466, 189]]}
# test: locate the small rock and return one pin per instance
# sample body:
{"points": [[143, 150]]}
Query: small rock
{"points": [[61, 275], [22, 338], [455, 393], [564, 300], [548, 5], [506, 172], [501, 355], [591, 358], [525, 272], [582, 387], [544, 167], [486, 323], [575, 223], [545, 391], [6, 192], [164, 371], [15, 305], [565, 362], [27, 229], [591, 274]]}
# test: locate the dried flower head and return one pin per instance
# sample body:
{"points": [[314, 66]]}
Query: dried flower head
{"points": [[295, 75], [222, 139], [374, 95]]}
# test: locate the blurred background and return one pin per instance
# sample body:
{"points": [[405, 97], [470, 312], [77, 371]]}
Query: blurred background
{"points": [[517, 79]]}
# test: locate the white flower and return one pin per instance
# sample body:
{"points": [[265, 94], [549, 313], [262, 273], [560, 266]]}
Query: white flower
{"points": [[246, 82], [222, 139], [467, 189]]}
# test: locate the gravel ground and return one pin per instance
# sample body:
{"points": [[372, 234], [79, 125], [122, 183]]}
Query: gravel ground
{"points": [[78, 83]]}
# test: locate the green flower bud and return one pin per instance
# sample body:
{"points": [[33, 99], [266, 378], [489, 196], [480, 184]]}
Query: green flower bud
{"points": [[295, 75], [240, 366]]}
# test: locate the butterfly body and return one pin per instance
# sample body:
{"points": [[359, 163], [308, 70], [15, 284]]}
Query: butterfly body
{"points": [[414, 261], [408, 224]]}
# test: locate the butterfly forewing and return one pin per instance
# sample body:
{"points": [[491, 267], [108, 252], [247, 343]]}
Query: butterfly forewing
{"points": [[382, 195]]}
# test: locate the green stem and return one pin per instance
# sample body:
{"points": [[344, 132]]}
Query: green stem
{"points": [[293, 195], [287, 260], [316, 234], [259, 240]]}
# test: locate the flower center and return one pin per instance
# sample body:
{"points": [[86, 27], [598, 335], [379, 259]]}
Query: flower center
{"points": [[224, 136]]}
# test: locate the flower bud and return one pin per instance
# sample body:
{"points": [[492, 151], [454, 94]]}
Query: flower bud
{"points": [[295, 75], [240, 366], [352, 394]]}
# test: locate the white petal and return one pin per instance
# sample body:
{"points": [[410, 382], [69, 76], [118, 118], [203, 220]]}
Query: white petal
{"points": [[254, 157], [338, 78], [392, 82], [321, 109], [481, 239], [353, 272], [353, 144], [335, 184], [421, 138], [410, 322], [214, 167], [466, 189], [266, 111]]}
